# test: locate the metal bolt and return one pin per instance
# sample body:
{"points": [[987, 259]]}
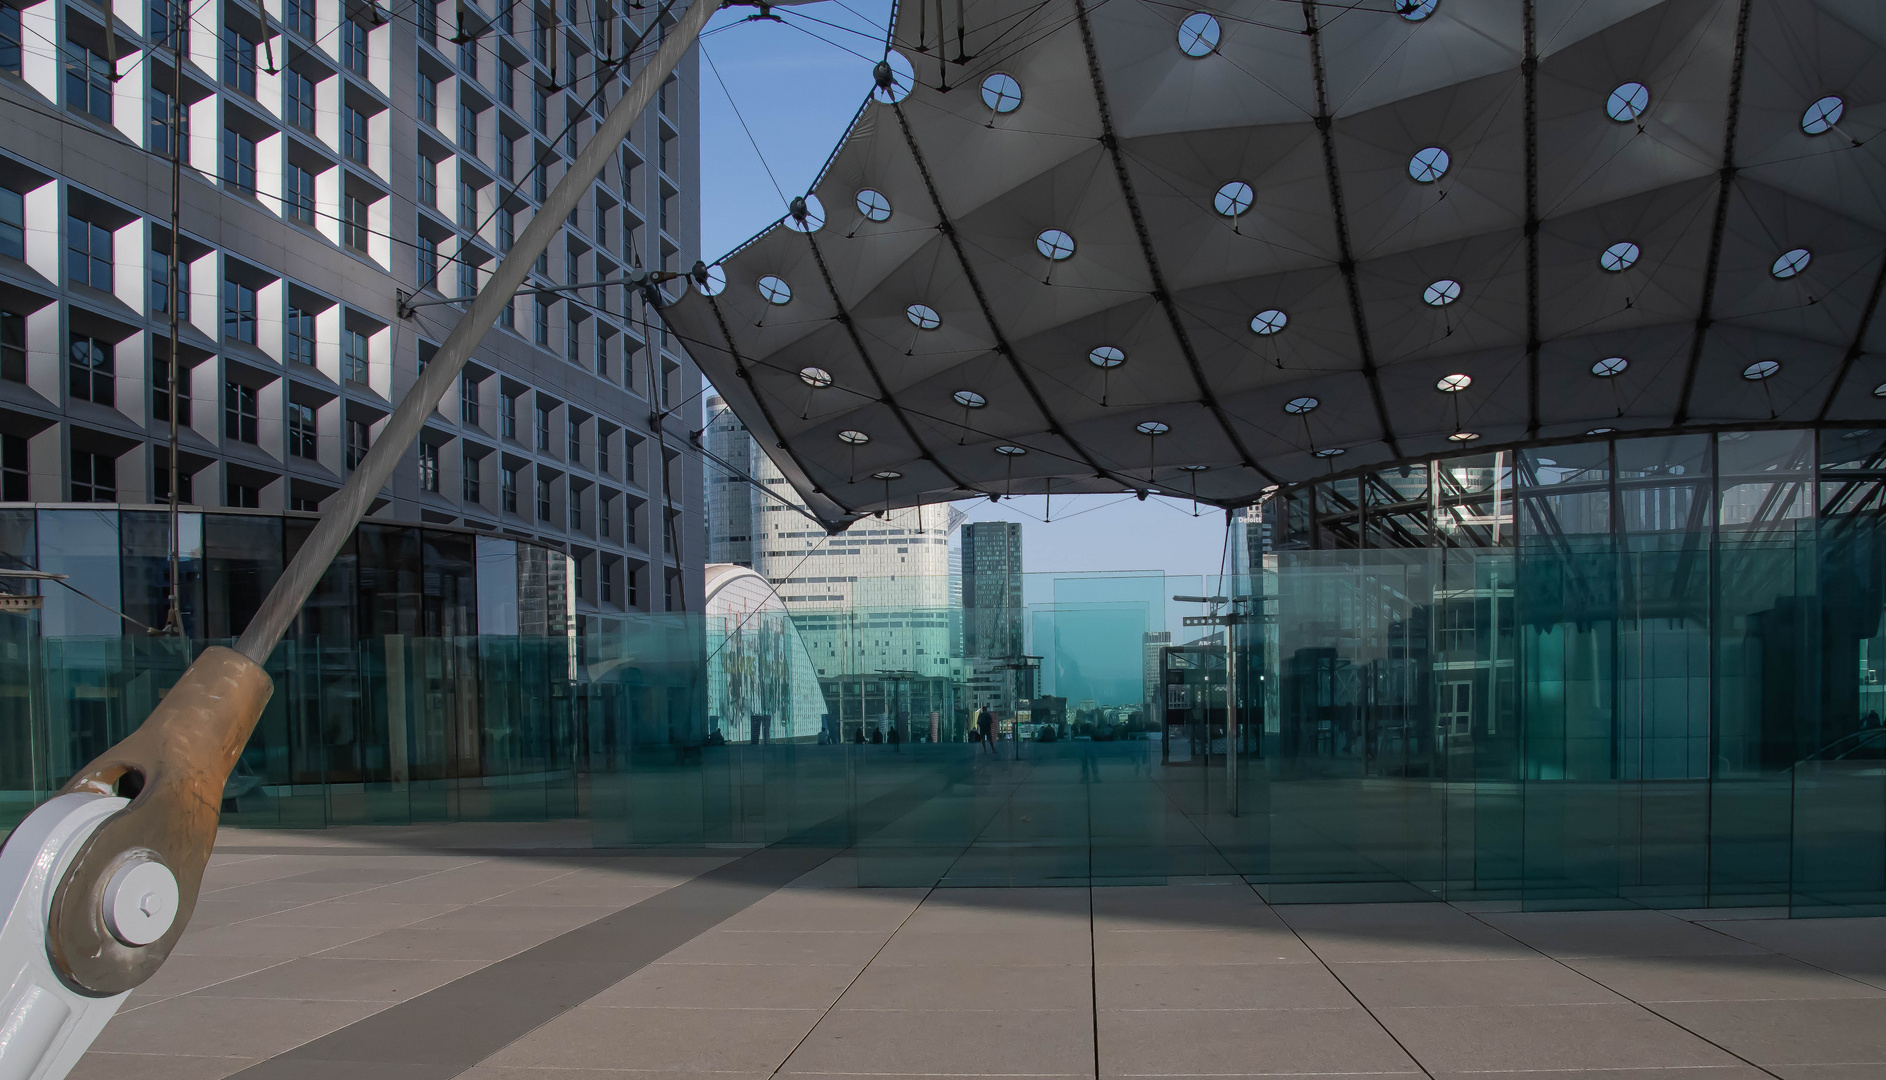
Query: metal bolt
{"points": [[140, 902]]}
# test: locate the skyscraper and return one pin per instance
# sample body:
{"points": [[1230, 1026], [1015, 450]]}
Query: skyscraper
{"points": [[992, 614]]}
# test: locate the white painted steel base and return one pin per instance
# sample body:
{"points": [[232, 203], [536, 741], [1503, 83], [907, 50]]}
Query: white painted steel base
{"points": [[44, 1024]]}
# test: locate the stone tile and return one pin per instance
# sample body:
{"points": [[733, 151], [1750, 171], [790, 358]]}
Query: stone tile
{"points": [[1616, 933], [1535, 981], [288, 892], [1477, 1038], [249, 940], [838, 948], [1737, 1071], [674, 1040], [1182, 907], [882, 910], [321, 978], [513, 1072], [1833, 1032], [971, 987], [1173, 947], [728, 986], [1219, 986], [974, 1043], [353, 914], [493, 915], [212, 912], [236, 1027], [485, 946], [558, 894], [1317, 1041], [1720, 978], [187, 974], [101, 1065], [1009, 948], [1364, 933]]}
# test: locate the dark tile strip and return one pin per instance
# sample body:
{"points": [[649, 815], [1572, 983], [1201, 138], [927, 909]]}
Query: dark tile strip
{"points": [[677, 852]]}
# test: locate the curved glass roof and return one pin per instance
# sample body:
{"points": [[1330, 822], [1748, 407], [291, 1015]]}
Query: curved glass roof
{"points": [[1631, 226]]}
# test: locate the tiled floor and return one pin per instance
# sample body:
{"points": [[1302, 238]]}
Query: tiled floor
{"points": [[708, 963]]}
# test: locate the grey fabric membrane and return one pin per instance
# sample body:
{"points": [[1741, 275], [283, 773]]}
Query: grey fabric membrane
{"points": [[1319, 108]]}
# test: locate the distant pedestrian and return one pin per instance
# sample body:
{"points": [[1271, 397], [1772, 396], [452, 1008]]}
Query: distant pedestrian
{"points": [[988, 729]]}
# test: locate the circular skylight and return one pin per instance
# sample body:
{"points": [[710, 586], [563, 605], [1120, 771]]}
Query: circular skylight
{"points": [[1300, 405], [887, 474], [805, 214], [1010, 451], [775, 290], [1152, 427], [895, 78], [923, 316], [1233, 199], [1880, 390], [816, 377], [1198, 35], [1105, 356], [1453, 384], [1600, 431], [1609, 366], [1761, 369], [1619, 256], [715, 284], [1002, 93], [853, 437], [1415, 10], [1463, 436], [1791, 263], [1821, 116], [1268, 322], [1627, 102], [1441, 293], [1428, 165], [873, 205], [1055, 245], [969, 399], [1331, 451], [1195, 468]]}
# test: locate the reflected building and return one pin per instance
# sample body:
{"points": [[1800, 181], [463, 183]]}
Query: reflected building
{"points": [[761, 685], [991, 554]]}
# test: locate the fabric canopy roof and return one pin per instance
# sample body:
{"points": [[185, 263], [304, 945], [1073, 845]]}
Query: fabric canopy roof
{"points": [[1103, 246]]}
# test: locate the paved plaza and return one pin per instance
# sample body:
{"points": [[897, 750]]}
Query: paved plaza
{"points": [[519, 953]]}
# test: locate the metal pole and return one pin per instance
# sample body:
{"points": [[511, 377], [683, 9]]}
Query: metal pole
{"points": [[173, 620], [1231, 713], [347, 506]]}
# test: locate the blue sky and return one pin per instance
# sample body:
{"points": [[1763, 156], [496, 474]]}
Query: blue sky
{"points": [[775, 99]]}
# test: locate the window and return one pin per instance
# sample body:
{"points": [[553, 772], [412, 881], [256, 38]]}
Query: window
{"points": [[467, 280], [428, 467], [87, 81], [543, 427], [507, 79], [576, 512], [608, 576], [540, 44], [299, 337], [238, 312], [426, 21], [91, 370], [160, 284], [298, 100], [602, 451], [472, 492], [301, 431], [160, 391], [88, 254], [543, 500], [540, 109], [298, 15], [572, 338], [468, 58], [507, 22], [357, 443], [467, 206], [602, 226], [300, 194], [354, 134], [602, 356], [12, 346], [12, 224], [468, 129], [238, 160], [427, 254], [507, 416], [242, 496], [10, 40], [507, 489], [94, 477], [576, 440], [605, 509], [354, 47], [238, 62], [539, 182], [428, 181], [353, 356], [541, 333], [507, 159], [569, 140], [163, 115], [354, 223], [160, 483], [507, 229], [15, 476], [239, 413], [429, 100], [468, 394]]}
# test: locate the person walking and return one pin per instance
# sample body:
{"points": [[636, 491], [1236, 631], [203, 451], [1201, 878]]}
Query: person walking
{"points": [[975, 728]]}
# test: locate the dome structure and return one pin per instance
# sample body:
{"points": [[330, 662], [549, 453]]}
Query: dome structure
{"points": [[1347, 202], [757, 663]]}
